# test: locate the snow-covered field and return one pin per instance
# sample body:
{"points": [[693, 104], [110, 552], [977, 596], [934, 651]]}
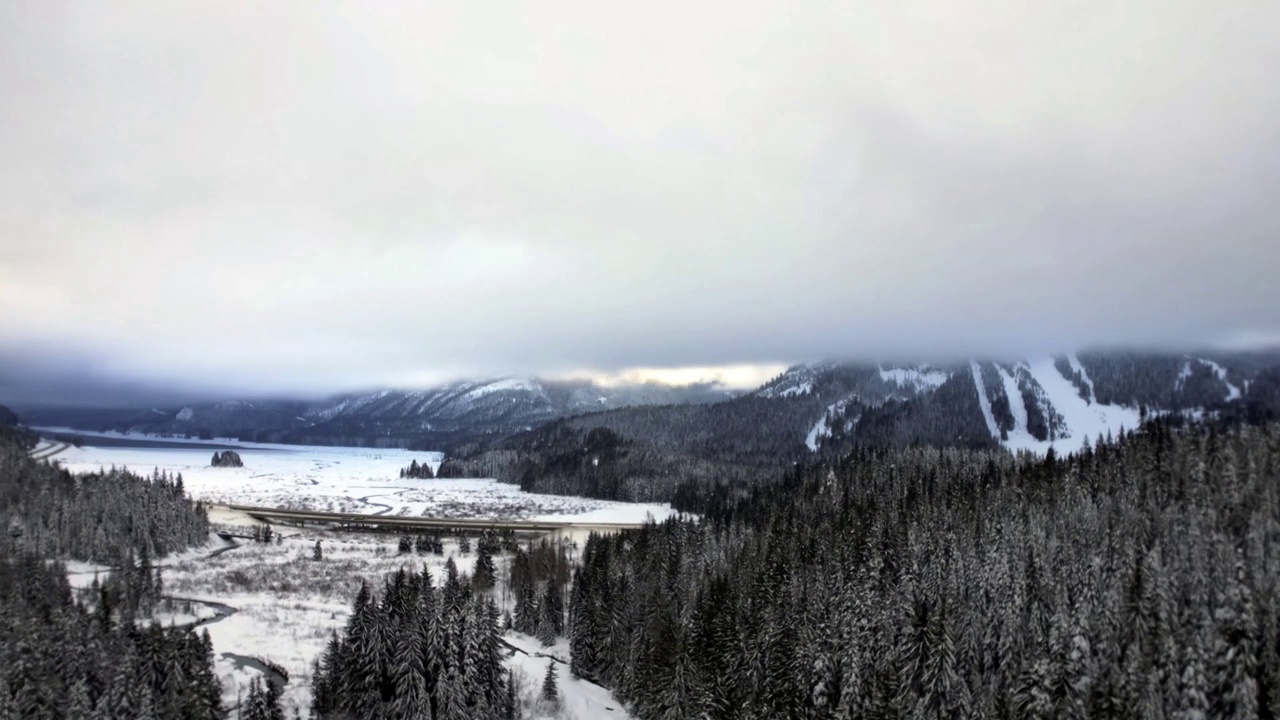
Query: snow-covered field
{"points": [[274, 602], [280, 605], [339, 479]]}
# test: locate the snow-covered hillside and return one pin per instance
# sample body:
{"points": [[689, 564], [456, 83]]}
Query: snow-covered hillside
{"points": [[435, 417], [921, 379], [1029, 404], [1080, 419]]}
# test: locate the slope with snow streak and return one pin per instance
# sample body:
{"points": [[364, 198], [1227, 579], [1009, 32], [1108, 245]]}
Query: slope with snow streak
{"points": [[1233, 392], [797, 391], [505, 384], [1019, 438], [919, 379], [1085, 420], [1076, 366], [983, 401], [822, 428]]}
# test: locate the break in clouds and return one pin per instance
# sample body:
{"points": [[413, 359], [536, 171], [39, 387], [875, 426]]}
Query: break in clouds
{"points": [[302, 196]]}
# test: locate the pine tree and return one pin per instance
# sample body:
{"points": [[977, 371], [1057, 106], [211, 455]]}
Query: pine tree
{"points": [[546, 629], [511, 703], [412, 700], [271, 700], [317, 553], [550, 693], [483, 578], [451, 697], [1235, 664]]}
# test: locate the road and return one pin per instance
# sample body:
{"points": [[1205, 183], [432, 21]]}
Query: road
{"points": [[358, 521], [48, 451]]}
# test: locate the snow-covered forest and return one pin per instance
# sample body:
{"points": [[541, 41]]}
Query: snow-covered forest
{"points": [[63, 657], [1137, 578], [1140, 579], [107, 516]]}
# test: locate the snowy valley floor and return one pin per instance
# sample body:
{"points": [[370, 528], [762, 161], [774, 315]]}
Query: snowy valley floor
{"points": [[274, 602], [339, 479]]}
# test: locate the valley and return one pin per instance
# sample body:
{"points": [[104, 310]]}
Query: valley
{"points": [[333, 479], [271, 607], [639, 361], [305, 541]]}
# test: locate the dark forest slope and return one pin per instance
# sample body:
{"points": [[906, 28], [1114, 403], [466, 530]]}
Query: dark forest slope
{"points": [[1137, 580]]}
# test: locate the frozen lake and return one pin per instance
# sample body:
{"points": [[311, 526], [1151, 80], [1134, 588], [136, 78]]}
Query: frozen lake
{"points": [[335, 479]]}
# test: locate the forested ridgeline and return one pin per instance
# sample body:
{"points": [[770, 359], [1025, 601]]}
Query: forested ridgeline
{"points": [[644, 453], [420, 651], [822, 412], [1137, 580], [104, 517], [648, 453], [11, 430]]}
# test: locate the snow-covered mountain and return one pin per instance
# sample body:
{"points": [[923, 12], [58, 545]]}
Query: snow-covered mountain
{"points": [[1023, 404], [438, 417], [1019, 403]]}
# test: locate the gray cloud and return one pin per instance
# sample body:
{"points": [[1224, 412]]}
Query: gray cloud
{"points": [[295, 196]]}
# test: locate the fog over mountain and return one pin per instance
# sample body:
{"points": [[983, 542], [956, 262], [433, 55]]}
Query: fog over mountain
{"points": [[238, 199]]}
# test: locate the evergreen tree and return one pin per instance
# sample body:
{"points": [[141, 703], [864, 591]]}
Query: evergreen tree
{"points": [[483, 578], [416, 653], [550, 692]]}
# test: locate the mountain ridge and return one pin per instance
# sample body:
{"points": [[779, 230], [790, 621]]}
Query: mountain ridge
{"points": [[444, 416], [819, 411]]}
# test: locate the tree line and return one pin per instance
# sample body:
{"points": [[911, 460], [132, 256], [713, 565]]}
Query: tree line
{"points": [[1138, 579], [61, 660], [418, 471], [105, 517], [89, 659]]}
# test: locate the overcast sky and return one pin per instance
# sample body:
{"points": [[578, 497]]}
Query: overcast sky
{"points": [[305, 196]]}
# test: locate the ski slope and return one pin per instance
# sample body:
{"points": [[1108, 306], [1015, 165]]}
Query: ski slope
{"points": [[1085, 420], [1076, 366], [984, 401], [1233, 392], [1019, 438]]}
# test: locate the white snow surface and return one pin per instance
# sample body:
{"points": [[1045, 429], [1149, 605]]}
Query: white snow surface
{"points": [[983, 400], [358, 480], [186, 413], [1019, 438], [797, 390], [579, 699], [822, 428], [1085, 420], [1183, 374], [516, 384], [918, 379], [795, 381], [287, 604]]}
